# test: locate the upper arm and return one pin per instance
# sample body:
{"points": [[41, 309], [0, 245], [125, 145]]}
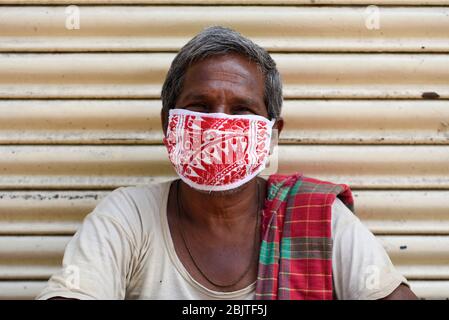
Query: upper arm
{"points": [[97, 259], [362, 268]]}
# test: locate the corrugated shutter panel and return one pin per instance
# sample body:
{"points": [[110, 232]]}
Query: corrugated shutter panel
{"points": [[79, 115]]}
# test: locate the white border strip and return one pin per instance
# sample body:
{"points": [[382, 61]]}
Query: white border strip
{"points": [[220, 115], [230, 186]]}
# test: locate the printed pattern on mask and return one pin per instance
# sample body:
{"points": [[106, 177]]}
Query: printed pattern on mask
{"points": [[216, 151]]}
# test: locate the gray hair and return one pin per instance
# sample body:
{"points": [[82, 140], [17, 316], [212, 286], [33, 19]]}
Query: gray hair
{"points": [[214, 41]]}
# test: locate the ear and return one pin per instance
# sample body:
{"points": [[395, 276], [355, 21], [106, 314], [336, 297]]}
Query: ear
{"points": [[279, 125], [277, 128]]}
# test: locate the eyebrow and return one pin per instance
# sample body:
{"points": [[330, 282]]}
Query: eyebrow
{"points": [[197, 96], [245, 101]]}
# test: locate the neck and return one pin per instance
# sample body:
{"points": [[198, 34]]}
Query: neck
{"points": [[228, 208]]}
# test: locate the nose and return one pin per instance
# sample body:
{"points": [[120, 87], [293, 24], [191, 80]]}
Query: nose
{"points": [[220, 108]]}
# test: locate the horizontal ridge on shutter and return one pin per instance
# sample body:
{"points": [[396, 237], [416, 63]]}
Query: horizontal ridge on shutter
{"points": [[140, 75], [306, 122], [279, 29]]}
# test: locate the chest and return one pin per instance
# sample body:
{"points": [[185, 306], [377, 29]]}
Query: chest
{"points": [[224, 264]]}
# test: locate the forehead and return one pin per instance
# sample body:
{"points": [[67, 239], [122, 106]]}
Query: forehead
{"points": [[233, 73]]}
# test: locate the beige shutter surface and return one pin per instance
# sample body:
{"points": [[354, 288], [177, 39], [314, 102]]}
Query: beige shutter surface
{"points": [[109, 166], [80, 115], [305, 75], [137, 121], [281, 28]]}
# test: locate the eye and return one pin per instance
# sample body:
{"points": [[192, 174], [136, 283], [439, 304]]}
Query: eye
{"points": [[198, 107], [243, 110]]}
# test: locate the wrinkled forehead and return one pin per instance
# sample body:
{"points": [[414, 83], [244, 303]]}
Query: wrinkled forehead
{"points": [[234, 74], [234, 68]]}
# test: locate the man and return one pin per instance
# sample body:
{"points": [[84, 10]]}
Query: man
{"points": [[222, 232]]}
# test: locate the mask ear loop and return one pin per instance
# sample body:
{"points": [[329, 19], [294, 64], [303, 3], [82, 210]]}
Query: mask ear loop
{"points": [[272, 143]]}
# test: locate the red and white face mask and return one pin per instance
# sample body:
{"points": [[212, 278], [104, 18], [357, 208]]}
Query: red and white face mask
{"points": [[217, 151]]}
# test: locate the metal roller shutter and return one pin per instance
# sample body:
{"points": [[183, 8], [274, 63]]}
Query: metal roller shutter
{"points": [[79, 115]]}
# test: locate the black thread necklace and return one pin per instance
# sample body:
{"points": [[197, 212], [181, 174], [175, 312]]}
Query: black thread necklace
{"points": [[179, 208]]}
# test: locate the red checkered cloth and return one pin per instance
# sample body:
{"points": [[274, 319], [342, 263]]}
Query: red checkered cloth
{"points": [[295, 261]]}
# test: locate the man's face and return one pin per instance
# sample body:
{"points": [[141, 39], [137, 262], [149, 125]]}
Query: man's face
{"points": [[228, 84]]}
